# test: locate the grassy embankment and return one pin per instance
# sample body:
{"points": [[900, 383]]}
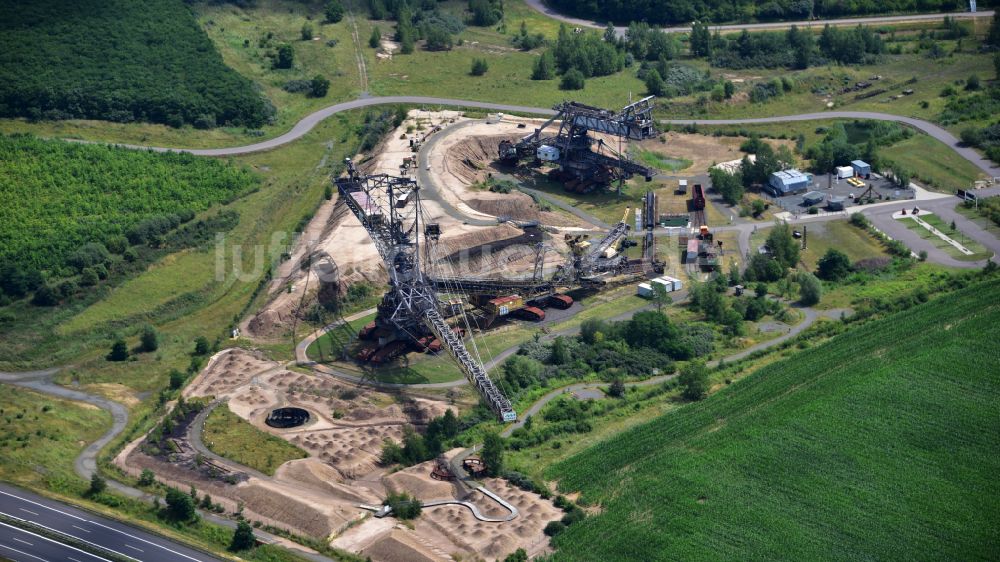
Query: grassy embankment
{"points": [[42, 436], [884, 444], [234, 438]]}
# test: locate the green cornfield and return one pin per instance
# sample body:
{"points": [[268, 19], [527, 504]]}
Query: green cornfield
{"points": [[881, 444]]}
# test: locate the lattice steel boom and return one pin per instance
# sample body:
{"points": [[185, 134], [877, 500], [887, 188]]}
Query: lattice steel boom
{"points": [[389, 209]]}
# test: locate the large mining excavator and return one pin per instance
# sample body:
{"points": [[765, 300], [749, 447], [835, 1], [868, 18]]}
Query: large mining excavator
{"points": [[411, 310], [586, 163]]}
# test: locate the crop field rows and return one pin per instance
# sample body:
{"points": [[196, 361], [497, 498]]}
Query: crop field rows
{"points": [[874, 445]]}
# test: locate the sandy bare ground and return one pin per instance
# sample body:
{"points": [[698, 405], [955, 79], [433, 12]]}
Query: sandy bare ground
{"points": [[466, 156], [702, 150], [319, 496], [453, 530], [335, 232]]}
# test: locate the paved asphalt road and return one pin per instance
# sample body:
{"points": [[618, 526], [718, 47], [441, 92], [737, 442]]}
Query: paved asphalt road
{"points": [[23, 546], [110, 534], [309, 121], [540, 7]]}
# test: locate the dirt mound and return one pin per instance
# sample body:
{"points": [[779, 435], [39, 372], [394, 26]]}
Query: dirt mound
{"points": [[398, 547], [416, 481], [471, 160], [276, 503], [354, 452], [227, 371], [325, 478], [514, 206], [270, 323], [500, 249]]}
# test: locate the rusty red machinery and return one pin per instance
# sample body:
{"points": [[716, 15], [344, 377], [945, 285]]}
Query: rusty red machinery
{"points": [[561, 301]]}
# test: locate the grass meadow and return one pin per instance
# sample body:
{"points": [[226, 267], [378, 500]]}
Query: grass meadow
{"points": [[234, 438]]}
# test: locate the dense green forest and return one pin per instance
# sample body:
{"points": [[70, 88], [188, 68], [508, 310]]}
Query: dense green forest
{"points": [[687, 11], [82, 212], [118, 60]]}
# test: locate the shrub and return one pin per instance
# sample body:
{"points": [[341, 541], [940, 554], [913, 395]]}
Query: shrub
{"points": [[97, 484], [89, 277], [403, 505], [694, 380], [297, 86], [554, 528], [334, 11], [479, 67], [177, 379], [318, 86], [243, 538], [119, 351], [285, 57], [572, 80], [437, 38], [544, 67], [654, 83], [492, 455], [180, 506], [617, 389], [147, 478], [810, 289], [834, 265], [149, 340], [201, 346]]}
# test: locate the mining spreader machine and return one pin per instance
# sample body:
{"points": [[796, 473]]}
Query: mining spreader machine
{"points": [[586, 163], [412, 314], [411, 310]]}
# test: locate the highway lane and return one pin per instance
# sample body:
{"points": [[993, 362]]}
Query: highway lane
{"points": [[539, 6], [24, 546], [85, 526]]}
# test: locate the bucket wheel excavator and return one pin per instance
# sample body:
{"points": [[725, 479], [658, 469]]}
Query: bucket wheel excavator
{"points": [[388, 207], [586, 163]]}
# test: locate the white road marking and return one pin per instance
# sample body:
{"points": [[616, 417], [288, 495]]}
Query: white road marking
{"points": [[41, 505], [73, 559], [61, 544], [100, 525], [140, 539], [28, 511], [134, 548], [22, 541], [21, 552], [81, 528]]}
